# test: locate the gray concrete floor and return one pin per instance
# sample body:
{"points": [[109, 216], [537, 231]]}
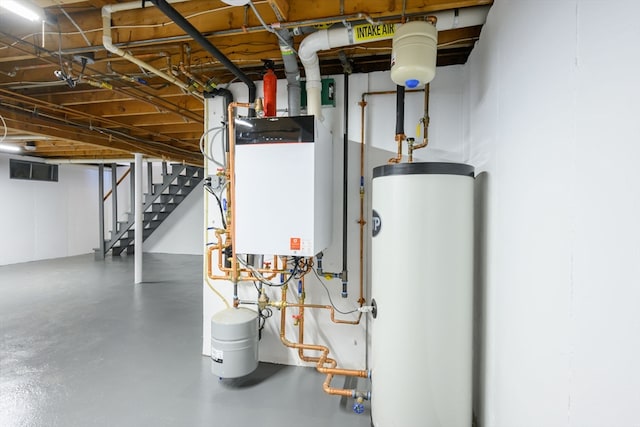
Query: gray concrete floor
{"points": [[80, 345]]}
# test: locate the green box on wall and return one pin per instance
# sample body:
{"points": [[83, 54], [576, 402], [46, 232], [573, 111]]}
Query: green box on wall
{"points": [[328, 93]]}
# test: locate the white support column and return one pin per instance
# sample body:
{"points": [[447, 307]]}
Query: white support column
{"points": [[137, 249]]}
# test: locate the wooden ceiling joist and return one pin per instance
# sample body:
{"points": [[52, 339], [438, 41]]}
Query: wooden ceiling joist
{"points": [[160, 119]]}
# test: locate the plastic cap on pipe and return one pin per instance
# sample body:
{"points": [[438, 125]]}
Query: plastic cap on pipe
{"points": [[412, 83]]}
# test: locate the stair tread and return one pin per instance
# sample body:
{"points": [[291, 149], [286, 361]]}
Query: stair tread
{"points": [[165, 197]]}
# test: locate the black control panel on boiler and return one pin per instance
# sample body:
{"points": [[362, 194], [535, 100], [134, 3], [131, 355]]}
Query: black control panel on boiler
{"points": [[269, 130]]}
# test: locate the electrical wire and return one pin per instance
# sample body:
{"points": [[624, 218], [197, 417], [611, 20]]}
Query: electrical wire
{"points": [[84, 36], [271, 29], [329, 295], [217, 292], [263, 315], [208, 188], [201, 144], [255, 285], [265, 281]]}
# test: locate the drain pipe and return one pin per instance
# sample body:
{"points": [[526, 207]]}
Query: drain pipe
{"points": [[181, 22], [291, 71], [107, 41]]}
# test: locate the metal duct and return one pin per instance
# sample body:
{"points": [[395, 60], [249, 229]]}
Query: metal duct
{"points": [[181, 22], [291, 71]]}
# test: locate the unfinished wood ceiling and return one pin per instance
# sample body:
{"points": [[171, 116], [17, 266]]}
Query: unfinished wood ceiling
{"points": [[113, 108]]}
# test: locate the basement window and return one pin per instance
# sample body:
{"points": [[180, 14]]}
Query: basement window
{"points": [[20, 169]]}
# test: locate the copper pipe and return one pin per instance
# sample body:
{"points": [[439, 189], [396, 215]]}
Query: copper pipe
{"points": [[398, 158], [301, 354], [388, 92], [332, 312], [210, 250], [231, 194], [410, 149], [323, 359], [425, 119], [301, 307], [248, 276], [399, 138], [231, 189], [361, 220], [335, 391], [205, 86]]}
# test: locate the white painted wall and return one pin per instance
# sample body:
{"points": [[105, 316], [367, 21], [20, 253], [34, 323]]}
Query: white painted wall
{"points": [[552, 101], [347, 343], [123, 197], [181, 232], [41, 220]]}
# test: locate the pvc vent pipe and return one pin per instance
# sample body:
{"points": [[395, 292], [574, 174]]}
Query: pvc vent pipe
{"points": [[329, 39], [291, 71], [308, 53]]}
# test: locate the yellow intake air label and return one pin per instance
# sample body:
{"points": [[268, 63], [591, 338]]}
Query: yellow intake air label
{"points": [[368, 32]]}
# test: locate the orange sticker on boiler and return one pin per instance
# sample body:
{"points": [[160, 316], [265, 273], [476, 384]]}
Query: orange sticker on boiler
{"points": [[294, 243]]}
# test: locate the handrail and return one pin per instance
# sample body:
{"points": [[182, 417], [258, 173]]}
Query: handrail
{"points": [[124, 175]]}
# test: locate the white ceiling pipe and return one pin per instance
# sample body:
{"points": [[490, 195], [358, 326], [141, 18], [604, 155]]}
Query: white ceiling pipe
{"points": [[329, 39], [107, 41], [27, 138], [460, 18], [308, 54]]}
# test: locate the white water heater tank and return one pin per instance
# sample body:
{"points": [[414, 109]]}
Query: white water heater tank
{"points": [[234, 342], [413, 54], [422, 288]]}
